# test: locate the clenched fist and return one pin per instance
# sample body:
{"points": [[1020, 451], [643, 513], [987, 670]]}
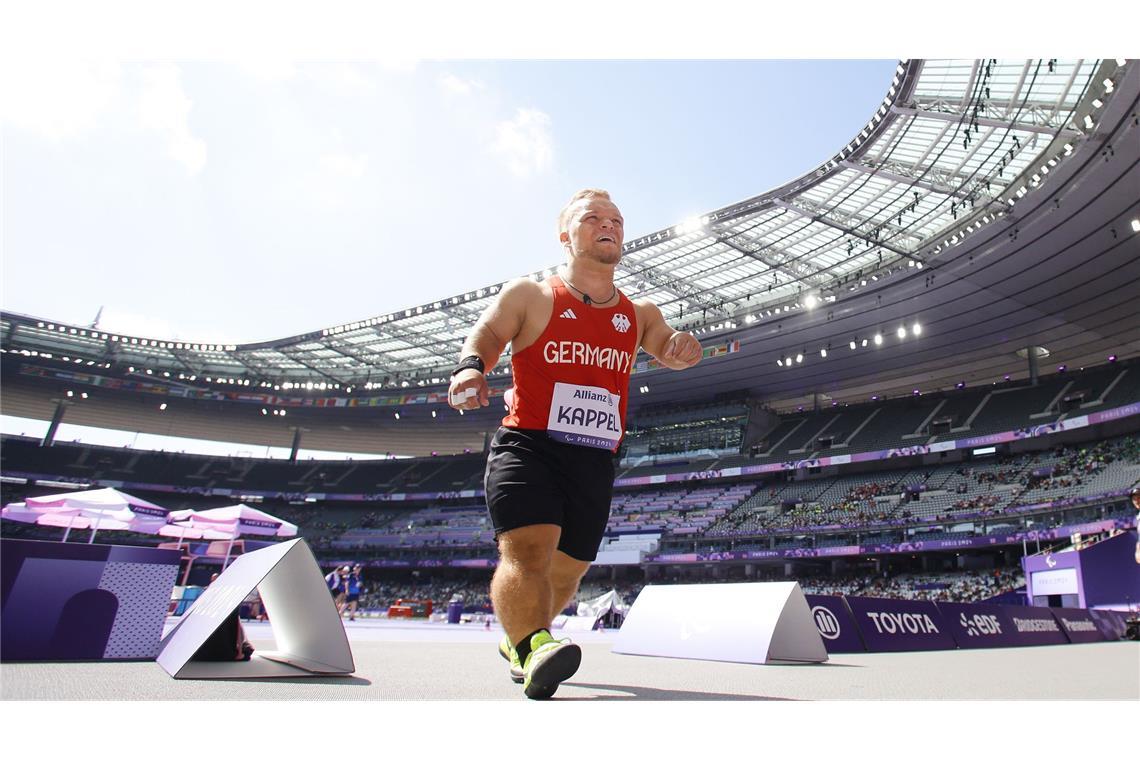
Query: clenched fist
{"points": [[681, 350]]}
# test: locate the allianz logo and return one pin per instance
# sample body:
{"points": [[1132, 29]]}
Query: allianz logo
{"points": [[825, 622], [902, 622]]}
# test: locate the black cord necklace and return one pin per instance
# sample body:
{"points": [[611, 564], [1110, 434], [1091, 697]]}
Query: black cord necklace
{"points": [[586, 296]]}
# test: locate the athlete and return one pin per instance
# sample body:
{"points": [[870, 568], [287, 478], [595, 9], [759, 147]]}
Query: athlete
{"points": [[550, 469]]}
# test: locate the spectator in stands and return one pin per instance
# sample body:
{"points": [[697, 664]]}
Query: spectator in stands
{"points": [[561, 426]]}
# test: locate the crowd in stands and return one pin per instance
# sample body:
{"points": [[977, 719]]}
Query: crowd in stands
{"points": [[971, 586], [964, 586]]}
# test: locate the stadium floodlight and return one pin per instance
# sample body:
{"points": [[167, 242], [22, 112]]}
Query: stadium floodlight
{"points": [[916, 329], [823, 353], [779, 362], [1088, 121], [84, 395], [901, 332], [799, 358], [70, 394], [1108, 86], [433, 414], [396, 415], [811, 301], [263, 410], [852, 345], [878, 339], [1135, 225]]}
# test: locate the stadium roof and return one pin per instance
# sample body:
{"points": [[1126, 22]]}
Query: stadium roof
{"points": [[953, 147]]}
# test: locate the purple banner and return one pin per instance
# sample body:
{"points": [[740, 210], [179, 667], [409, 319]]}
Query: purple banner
{"points": [[835, 623], [1036, 625], [1113, 625], [976, 626], [1078, 625], [899, 625], [83, 601]]}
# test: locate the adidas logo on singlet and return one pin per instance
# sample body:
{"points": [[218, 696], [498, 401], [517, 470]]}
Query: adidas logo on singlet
{"points": [[568, 314]]}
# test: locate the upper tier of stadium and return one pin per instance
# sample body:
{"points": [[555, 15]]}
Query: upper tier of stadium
{"points": [[987, 206]]}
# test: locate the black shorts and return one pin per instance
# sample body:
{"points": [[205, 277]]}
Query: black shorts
{"points": [[533, 480]]}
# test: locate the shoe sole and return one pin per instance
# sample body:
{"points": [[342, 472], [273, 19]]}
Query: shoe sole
{"points": [[516, 675], [552, 671]]}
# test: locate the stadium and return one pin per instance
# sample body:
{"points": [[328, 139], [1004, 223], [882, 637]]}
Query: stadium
{"points": [[920, 380]]}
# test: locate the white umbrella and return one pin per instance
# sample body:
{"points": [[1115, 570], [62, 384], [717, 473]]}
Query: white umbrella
{"points": [[103, 508], [233, 521]]}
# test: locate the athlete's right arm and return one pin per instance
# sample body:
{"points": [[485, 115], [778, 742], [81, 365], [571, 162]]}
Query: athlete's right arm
{"points": [[500, 324]]}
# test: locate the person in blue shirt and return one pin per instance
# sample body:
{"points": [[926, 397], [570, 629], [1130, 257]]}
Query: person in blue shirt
{"points": [[355, 585]]}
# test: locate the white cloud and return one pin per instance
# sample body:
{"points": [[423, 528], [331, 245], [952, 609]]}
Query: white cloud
{"points": [[525, 142], [164, 107], [346, 164], [457, 85], [57, 99]]}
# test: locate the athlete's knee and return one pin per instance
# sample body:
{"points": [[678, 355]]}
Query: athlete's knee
{"points": [[531, 548]]}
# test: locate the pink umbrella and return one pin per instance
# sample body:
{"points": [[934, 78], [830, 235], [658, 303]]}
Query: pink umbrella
{"points": [[103, 508], [233, 521]]}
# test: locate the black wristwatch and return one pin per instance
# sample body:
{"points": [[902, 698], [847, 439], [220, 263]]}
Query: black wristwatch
{"points": [[469, 362]]}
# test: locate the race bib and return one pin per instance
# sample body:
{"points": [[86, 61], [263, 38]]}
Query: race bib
{"points": [[585, 416]]}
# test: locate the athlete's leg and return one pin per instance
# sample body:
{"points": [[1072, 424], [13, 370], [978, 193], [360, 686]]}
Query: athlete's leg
{"points": [[565, 574], [520, 589]]}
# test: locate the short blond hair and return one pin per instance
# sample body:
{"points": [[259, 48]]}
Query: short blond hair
{"points": [[587, 194]]}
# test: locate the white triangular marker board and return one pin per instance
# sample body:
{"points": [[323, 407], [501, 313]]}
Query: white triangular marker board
{"points": [[728, 622], [309, 634]]}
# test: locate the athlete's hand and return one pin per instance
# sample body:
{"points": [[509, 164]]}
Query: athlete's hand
{"points": [[681, 350], [468, 390]]}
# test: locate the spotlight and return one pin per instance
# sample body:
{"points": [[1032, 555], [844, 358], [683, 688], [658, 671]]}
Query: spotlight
{"points": [[915, 392], [864, 343], [433, 413], [916, 329], [852, 345], [799, 358], [264, 411], [1062, 368], [779, 362], [811, 301], [1136, 225], [1111, 358], [1006, 378], [70, 394], [396, 415], [823, 352], [282, 412], [960, 386], [162, 407], [787, 361], [878, 339], [84, 395], [901, 332]]}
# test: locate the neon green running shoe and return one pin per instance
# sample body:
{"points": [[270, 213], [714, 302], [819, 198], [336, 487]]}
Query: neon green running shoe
{"points": [[550, 662], [508, 653]]}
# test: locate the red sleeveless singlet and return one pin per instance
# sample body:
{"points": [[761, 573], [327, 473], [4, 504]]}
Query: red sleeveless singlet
{"points": [[573, 381]]}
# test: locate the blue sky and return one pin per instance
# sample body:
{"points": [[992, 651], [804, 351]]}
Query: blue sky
{"points": [[243, 202]]}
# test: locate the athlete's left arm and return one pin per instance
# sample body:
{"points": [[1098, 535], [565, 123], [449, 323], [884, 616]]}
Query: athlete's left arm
{"points": [[676, 350]]}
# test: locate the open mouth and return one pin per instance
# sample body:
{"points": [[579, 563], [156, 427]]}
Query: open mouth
{"points": [[606, 239]]}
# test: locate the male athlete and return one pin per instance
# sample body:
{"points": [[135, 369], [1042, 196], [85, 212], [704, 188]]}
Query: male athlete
{"points": [[550, 470]]}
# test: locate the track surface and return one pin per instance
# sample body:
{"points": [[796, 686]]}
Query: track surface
{"points": [[435, 661]]}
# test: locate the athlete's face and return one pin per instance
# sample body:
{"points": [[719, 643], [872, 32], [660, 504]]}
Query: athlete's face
{"points": [[595, 231]]}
